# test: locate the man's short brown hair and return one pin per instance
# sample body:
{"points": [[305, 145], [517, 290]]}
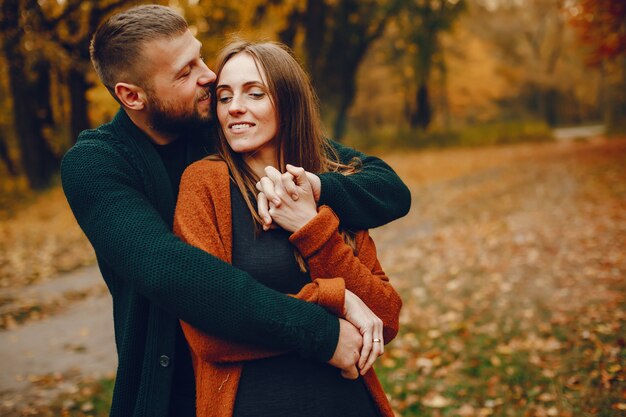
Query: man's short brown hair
{"points": [[116, 47]]}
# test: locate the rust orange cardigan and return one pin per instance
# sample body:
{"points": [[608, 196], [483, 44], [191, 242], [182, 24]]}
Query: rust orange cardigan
{"points": [[203, 219]]}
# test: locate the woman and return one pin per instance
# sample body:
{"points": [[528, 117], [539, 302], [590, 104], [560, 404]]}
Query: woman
{"points": [[268, 117]]}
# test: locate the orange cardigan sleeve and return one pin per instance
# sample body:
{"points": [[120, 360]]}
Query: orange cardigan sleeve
{"points": [[203, 219], [327, 254]]}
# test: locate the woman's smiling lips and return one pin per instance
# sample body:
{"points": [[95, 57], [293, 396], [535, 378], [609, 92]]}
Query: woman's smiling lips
{"points": [[240, 126]]}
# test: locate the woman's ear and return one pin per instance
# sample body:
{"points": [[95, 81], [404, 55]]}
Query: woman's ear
{"points": [[131, 96]]}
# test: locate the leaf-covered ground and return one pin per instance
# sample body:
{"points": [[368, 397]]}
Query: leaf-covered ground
{"points": [[512, 268], [514, 281]]}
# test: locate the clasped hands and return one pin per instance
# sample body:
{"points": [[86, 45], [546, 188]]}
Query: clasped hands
{"points": [[289, 200]]}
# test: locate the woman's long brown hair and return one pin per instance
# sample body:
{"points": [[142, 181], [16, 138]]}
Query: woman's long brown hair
{"points": [[299, 140]]}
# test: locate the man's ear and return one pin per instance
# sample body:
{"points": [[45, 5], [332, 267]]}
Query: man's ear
{"points": [[131, 96]]}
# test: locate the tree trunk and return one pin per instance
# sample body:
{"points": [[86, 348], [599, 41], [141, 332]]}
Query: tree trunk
{"points": [[550, 98], [6, 158], [30, 92], [315, 29], [422, 116], [335, 45], [31, 110], [347, 97], [78, 86]]}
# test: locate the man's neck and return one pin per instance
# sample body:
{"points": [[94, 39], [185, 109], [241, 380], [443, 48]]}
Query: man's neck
{"points": [[158, 137]]}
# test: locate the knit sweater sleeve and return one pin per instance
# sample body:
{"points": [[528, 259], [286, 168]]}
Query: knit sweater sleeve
{"points": [[132, 240], [328, 293], [376, 195], [328, 255]]}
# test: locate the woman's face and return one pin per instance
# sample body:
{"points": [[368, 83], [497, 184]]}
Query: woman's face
{"points": [[245, 109]]}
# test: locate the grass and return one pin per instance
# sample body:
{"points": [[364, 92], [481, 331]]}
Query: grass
{"points": [[92, 399]]}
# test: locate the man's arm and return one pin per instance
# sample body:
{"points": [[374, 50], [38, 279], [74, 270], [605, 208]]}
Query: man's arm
{"points": [[131, 238], [370, 198]]}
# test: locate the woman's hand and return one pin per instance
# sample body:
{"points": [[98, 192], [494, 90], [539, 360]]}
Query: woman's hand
{"points": [[370, 327], [277, 187], [291, 201]]}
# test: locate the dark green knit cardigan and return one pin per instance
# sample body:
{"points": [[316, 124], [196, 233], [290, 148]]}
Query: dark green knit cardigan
{"points": [[120, 193]]}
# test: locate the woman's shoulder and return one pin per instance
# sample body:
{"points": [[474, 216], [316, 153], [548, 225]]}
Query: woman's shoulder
{"points": [[205, 176], [206, 168]]}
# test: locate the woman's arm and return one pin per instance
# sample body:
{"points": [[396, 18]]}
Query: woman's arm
{"points": [[316, 236], [327, 254]]}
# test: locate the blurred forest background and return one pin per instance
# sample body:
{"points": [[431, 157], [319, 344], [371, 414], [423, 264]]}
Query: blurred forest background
{"points": [[389, 72], [511, 263]]}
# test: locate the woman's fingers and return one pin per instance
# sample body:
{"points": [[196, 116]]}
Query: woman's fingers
{"points": [[264, 210], [377, 349]]}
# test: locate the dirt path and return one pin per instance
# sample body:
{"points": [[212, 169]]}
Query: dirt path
{"points": [[49, 356], [510, 232]]}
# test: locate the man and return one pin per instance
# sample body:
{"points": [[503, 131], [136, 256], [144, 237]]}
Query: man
{"points": [[121, 181]]}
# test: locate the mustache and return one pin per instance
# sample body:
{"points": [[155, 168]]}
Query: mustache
{"points": [[206, 93]]}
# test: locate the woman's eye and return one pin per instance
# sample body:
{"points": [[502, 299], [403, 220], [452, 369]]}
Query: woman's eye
{"points": [[224, 99], [257, 94]]}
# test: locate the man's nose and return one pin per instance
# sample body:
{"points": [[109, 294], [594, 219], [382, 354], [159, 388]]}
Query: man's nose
{"points": [[207, 75]]}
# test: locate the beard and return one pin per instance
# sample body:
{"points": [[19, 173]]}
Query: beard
{"points": [[172, 118]]}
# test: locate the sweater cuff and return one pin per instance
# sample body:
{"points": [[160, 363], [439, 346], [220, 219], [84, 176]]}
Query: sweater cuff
{"points": [[327, 345], [332, 294], [329, 186], [313, 235]]}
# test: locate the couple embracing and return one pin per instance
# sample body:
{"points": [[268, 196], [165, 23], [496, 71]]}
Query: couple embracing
{"points": [[231, 234]]}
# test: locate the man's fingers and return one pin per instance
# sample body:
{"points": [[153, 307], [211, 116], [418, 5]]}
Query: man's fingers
{"points": [[287, 180], [351, 373], [367, 347], [316, 185], [279, 190], [299, 174], [264, 210]]}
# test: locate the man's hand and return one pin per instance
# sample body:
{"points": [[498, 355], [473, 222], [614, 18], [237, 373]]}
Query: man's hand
{"points": [[347, 351], [316, 184], [276, 188], [370, 327]]}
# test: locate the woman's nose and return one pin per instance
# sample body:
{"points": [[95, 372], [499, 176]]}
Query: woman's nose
{"points": [[236, 105]]}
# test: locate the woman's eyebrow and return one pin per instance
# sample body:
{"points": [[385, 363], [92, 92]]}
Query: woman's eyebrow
{"points": [[246, 84]]}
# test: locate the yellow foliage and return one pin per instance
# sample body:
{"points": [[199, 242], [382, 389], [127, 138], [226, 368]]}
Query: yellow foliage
{"points": [[475, 80]]}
